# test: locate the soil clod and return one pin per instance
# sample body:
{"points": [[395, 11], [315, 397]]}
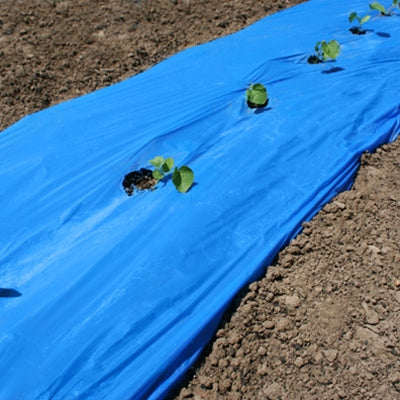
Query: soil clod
{"points": [[141, 180]]}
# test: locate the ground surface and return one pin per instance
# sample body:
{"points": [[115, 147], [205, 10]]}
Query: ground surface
{"points": [[324, 323]]}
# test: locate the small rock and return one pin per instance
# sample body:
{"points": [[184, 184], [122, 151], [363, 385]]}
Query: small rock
{"points": [[292, 301], [225, 384], [269, 324], [339, 204], [233, 338], [185, 393], [205, 381], [262, 370], [282, 324], [235, 362], [353, 370], [371, 316], [330, 208], [385, 249], [270, 296], [318, 357], [298, 362], [375, 250], [274, 391], [375, 341], [262, 351], [394, 377], [331, 355], [318, 290], [253, 286]]}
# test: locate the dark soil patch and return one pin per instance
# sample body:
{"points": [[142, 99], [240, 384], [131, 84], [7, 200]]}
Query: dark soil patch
{"points": [[324, 322], [314, 60], [140, 180], [255, 105], [355, 30]]}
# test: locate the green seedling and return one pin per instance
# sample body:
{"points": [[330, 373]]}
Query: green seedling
{"points": [[386, 12], [257, 96], [325, 51], [182, 177], [357, 30]]}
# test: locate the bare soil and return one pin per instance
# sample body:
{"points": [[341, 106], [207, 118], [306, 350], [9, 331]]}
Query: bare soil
{"points": [[324, 322]]}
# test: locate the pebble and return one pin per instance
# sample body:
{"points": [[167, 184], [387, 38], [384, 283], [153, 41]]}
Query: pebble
{"points": [[205, 381], [298, 362], [394, 377], [318, 357], [371, 316], [273, 391], [282, 324], [233, 338], [292, 301], [225, 384], [339, 204], [269, 324], [375, 250], [353, 370], [262, 370], [185, 393], [330, 355], [262, 351]]}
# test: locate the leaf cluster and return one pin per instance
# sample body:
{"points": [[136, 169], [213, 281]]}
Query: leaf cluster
{"points": [[379, 7], [354, 16], [182, 177], [327, 50], [257, 95]]}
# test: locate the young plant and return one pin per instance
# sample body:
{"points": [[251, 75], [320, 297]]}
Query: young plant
{"points": [[386, 12], [182, 177], [357, 30], [257, 96], [325, 51]]}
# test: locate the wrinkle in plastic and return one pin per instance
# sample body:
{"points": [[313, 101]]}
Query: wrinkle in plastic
{"points": [[118, 294]]}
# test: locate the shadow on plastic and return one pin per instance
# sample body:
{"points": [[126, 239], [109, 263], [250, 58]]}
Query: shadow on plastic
{"points": [[9, 293], [332, 70]]}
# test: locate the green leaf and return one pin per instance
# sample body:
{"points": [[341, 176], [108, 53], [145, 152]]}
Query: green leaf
{"points": [[365, 19], [157, 174], [378, 7], [395, 2], [168, 164], [183, 178], [318, 46], [257, 94], [330, 50], [352, 16], [248, 93], [157, 161]]}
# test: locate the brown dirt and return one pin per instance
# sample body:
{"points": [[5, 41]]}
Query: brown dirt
{"points": [[324, 323]]}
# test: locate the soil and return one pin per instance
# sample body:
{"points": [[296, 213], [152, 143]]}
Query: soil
{"points": [[255, 105], [324, 322], [314, 60], [139, 180], [355, 30]]}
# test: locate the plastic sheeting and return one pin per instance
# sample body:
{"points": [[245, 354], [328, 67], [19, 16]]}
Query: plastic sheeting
{"points": [[118, 294]]}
